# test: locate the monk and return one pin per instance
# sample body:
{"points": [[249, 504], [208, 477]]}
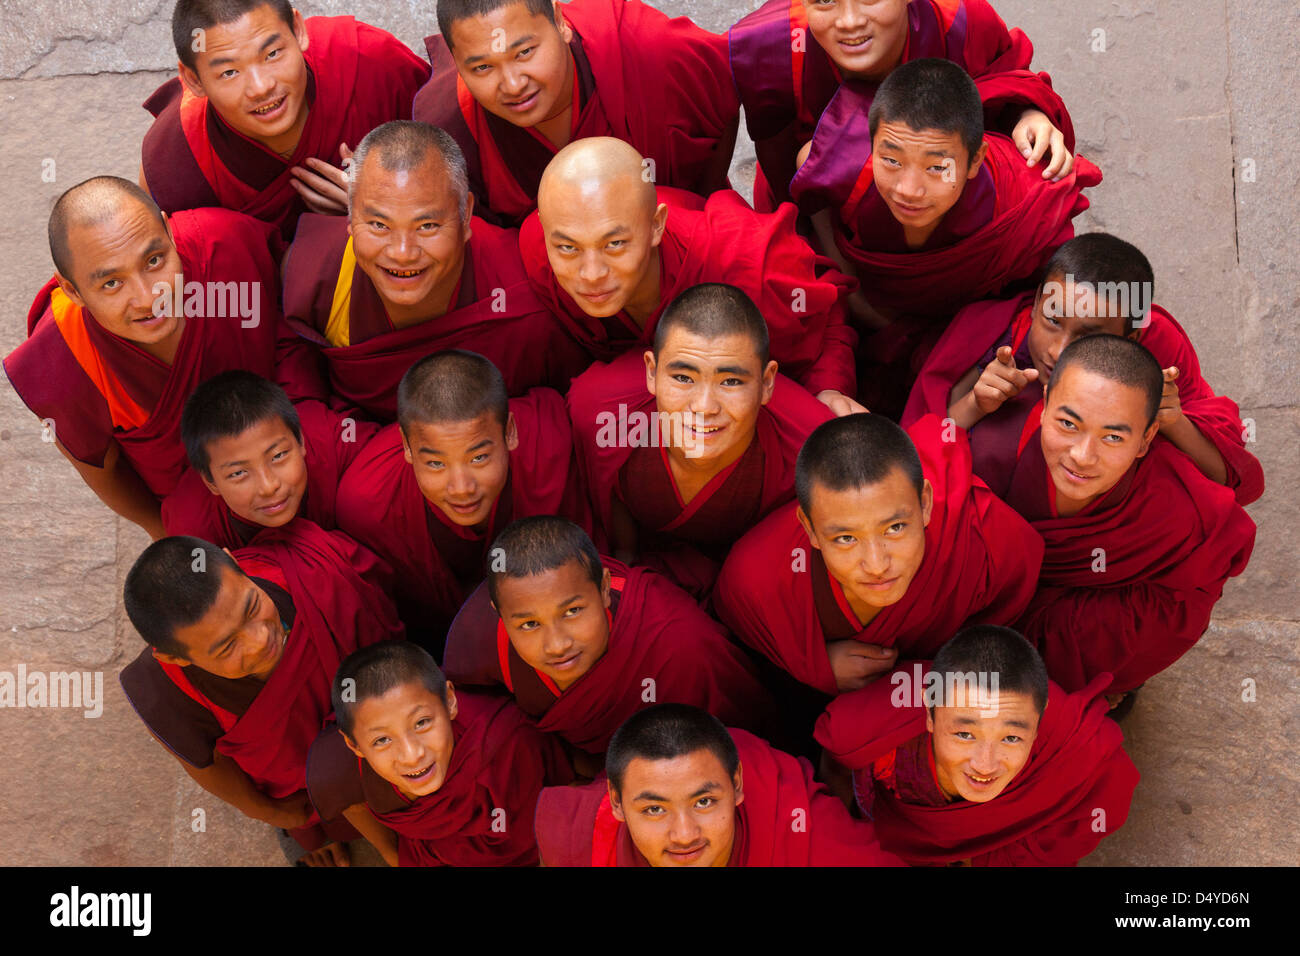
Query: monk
{"points": [[583, 641], [891, 545], [988, 370], [790, 87], [430, 493], [258, 461], [687, 446], [515, 81], [608, 252], [983, 761], [1139, 543], [265, 106], [142, 308], [438, 776], [241, 649], [683, 790], [414, 271]]}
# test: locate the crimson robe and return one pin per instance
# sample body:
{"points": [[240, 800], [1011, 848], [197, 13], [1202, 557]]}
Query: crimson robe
{"points": [[359, 77], [482, 815], [576, 826], [98, 388], [723, 240], [1046, 816], [437, 564], [979, 330], [785, 86], [1129, 583], [494, 312], [656, 632], [686, 120]]}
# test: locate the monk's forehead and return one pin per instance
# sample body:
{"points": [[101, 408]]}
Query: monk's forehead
{"points": [[899, 133], [513, 17], [708, 352], [544, 588], [254, 439], [1098, 399], [451, 432], [891, 496], [395, 704], [978, 696], [244, 36], [677, 778]]}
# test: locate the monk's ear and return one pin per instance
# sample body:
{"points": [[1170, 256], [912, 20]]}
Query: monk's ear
{"points": [[1148, 437], [927, 501], [449, 697], [469, 215], [739, 784], [561, 24], [929, 720], [615, 805], [352, 744], [649, 370], [605, 587], [300, 31], [190, 80], [406, 448], [806, 523], [512, 432], [170, 658], [211, 486], [657, 224], [977, 160], [769, 382], [70, 290]]}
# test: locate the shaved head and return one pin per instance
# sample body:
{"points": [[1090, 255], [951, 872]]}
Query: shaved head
{"points": [[92, 203], [405, 145], [591, 167]]}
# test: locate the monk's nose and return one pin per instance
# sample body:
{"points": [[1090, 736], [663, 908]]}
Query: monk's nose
{"points": [[875, 559], [260, 82], [592, 268], [268, 481], [851, 15], [911, 186], [1084, 450], [684, 830], [513, 80], [403, 247], [984, 761], [142, 295], [704, 401], [460, 482]]}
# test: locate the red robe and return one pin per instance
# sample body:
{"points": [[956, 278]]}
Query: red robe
{"points": [[359, 77], [1046, 816], [97, 387], [494, 312], [194, 510], [980, 566], [785, 86], [576, 827], [1169, 537], [685, 121], [437, 564], [724, 240], [979, 330], [656, 632], [482, 815]]}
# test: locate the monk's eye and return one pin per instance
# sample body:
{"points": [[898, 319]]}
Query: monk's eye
{"points": [[377, 226], [155, 260], [226, 74], [1012, 739], [653, 811], [1113, 439], [570, 612], [705, 802], [236, 474], [566, 249], [423, 722], [480, 459], [379, 741], [1066, 424], [733, 382], [526, 52], [682, 378], [435, 465], [964, 735], [274, 53], [936, 169], [430, 226], [616, 244], [111, 284], [280, 455], [529, 626], [896, 528], [845, 539], [889, 161]]}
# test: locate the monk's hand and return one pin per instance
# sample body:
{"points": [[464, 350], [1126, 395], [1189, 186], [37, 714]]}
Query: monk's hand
{"points": [[323, 187], [1001, 381], [291, 812], [839, 403], [1171, 407], [1035, 137], [856, 665]]}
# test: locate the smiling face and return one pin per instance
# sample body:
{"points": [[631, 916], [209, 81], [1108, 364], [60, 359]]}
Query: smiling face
{"points": [[515, 63], [406, 737], [682, 811], [556, 620], [920, 174], [261, 473], [981, 744], [409, 236], [1060, 319], [1093, 430], [254, 75], [462, 467], [241, 635], [865, 39]]}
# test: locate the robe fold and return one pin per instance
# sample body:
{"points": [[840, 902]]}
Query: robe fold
{"points": [[723, 240], [359, 77], [657, 633], [980, 566], [1046, 816], [685, 121]]}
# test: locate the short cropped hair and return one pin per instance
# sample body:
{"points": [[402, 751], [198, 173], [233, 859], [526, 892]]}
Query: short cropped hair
{"points": [[712, 310], [227, 405], [1102, 261], [376, 669], [665, 732], [986, 649], [538, 544], [451, 386], [191, 15], [854, 451], [404, 145], [933, 94], [173, 584], [1116, 359], [451, 12], [90, 203]]}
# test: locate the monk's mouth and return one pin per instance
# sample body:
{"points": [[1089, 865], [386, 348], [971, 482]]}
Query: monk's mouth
{"points": [[688, 856], [468, 509], [566, 663], [269, 108], [275, 507], [856, 44], [404, 273], [1075, 477], [981, 783], [420, 775], [522, 105]]}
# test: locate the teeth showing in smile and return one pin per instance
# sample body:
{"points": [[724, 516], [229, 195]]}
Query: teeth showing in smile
{"points": [[269, 107], [403, 273], [982, 779], [858, 42], [418, 773], [706, 429]]}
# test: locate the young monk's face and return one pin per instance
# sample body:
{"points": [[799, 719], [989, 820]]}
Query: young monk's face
{"points": [[123, 272], [980, 744], [872, 538], [261, 473], [462, 467], [1093, 430], [557, 620], [515, 63], [921, 173], [406, 737], [714, 387], [680, 812], [241, 635], [253, 72], [864, 38], [408, 234], [1062, 314]]}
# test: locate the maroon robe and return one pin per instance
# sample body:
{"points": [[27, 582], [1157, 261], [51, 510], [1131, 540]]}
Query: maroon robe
{"points": [[494, 312], [482, 815], [1048, 815], [359, 77], [685, 121], [576, 826], [99, 388], [438, 564], [785, 86], [1169, 538], [656, 632], [979, 330], [980, 567], [723, 240]]}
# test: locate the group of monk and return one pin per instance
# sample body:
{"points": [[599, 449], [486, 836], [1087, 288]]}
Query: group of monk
{"points": [[521, 493]]}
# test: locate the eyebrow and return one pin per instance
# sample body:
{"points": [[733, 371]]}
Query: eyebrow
{"points": [[471, 60], [426, 450], [240, 461], [269, 42], [645, 796], [155, 245], [890, 144], [1111, 428], [558, 236], [685, 366], [372, 213]]}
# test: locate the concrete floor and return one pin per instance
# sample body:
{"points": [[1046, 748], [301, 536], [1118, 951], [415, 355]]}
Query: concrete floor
{"points": [[1188, 111]]}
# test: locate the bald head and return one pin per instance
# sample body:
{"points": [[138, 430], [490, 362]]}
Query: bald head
{"points": [[593, 167], [88, 204], [403, 146]]}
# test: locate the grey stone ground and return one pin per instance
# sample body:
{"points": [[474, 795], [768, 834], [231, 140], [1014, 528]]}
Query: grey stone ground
{"points": [[1186, 97]]}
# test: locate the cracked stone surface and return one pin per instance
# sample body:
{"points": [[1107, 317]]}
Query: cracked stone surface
{"points": [[1197, 158]]}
